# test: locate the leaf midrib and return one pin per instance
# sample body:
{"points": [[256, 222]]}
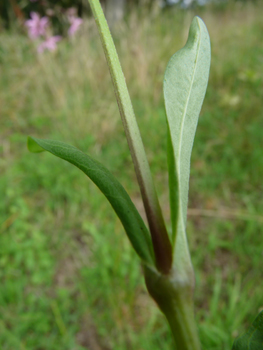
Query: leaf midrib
{"points": [[182, 128]]}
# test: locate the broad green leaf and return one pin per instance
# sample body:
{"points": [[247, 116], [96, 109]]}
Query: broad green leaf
{"points": [[185, 83], [253, 339], [110, 187]]}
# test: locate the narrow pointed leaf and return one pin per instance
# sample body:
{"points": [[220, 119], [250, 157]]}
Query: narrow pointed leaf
{"points": [[161, 243], [185, 83], [253, 339], [110, 187]]}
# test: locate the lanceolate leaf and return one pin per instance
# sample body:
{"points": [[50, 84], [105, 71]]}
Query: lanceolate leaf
{"points": [[110, 187], [253, 339], [161, 243], [185, 83]]}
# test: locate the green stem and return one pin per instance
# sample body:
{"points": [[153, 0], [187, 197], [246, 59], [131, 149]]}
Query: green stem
{"points": [[161, 242], [174, 295]]}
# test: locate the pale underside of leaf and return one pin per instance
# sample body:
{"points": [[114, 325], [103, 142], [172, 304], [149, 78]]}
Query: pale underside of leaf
{"points": [[185, 84], [133, 224]]}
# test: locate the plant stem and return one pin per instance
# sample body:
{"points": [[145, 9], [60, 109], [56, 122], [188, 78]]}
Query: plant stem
{"points": [[182, 323], [160, 239], [174, 296]]}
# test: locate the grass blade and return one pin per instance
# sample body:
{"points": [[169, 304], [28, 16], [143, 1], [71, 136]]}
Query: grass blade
{"points": [[110, 187]]}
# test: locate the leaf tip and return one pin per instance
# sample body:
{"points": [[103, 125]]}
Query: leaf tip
{"points": [[33, 146]]}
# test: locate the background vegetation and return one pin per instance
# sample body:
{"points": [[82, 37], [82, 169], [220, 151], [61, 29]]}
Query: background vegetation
{"points": [[69, 279]]}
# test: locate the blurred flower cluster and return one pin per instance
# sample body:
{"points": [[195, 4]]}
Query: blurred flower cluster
{"points": [[40, 28]]}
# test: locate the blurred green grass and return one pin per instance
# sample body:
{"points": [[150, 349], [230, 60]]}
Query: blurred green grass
{"points": [[69, 279]]}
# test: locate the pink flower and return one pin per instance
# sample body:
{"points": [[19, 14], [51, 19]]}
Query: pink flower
{"points": [[50, 44], [75, 23], [36, 26]]}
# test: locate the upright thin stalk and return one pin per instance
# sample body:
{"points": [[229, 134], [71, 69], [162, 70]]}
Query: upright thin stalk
{"points": [[161, 242], [174, 295]]}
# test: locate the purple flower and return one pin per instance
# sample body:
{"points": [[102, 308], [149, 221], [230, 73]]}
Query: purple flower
{"points": [[36, 26], [50, 44], [75, 23]]}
